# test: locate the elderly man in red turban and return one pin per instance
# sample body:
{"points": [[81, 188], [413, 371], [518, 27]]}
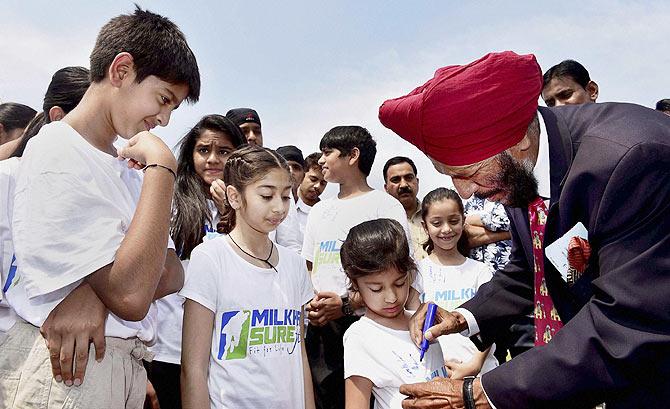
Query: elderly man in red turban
{"points": [[587, 189]]}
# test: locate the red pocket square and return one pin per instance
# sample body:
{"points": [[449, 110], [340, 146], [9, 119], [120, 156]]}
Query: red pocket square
{"points": [[579, 251]]}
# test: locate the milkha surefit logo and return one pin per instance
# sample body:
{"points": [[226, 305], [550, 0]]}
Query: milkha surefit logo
{"points": [[268, 332]]}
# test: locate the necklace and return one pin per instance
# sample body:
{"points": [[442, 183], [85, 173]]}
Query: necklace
{"points": [[265, 260]]}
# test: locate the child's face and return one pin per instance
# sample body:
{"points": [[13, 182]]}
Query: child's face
{"points": [[334, 167], [384, 293], [444, 224], [266, 201], [210, 153], [142, 107], [312, 185]]}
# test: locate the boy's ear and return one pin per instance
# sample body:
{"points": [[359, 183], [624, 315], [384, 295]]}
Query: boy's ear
{"points": [[56, 113], [121, 68], [234, 197], [353, 156]]}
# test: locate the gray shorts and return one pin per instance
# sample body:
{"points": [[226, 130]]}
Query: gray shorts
{"points": [[26, 380]]}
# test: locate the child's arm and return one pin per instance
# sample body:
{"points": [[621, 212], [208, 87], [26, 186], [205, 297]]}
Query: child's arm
{"points": [[128, 285], [470, 368], [357, 391], [172, 278], [195, 350], [307, 373]]}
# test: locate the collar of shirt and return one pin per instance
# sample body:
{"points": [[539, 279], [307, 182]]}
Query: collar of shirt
{"points": [[541, 169], [302, 206], [417, 214]]}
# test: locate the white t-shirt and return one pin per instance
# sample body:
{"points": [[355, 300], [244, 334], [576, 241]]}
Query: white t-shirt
{"points": [[449, 287], [73, 206], [288, 233], [170, 309], [329, 223], [302, 210], [388, 358], [8, 169], [256, 359]]}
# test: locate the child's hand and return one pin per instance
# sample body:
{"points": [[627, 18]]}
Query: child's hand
{"points": [[218, 192], [146, 148], [68, 330], [459, 370], [325, 307]]}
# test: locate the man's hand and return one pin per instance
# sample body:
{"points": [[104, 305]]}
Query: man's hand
{"points": [[68, 330], [218, 191], [445, 323], [441, 393], [323, 308]]}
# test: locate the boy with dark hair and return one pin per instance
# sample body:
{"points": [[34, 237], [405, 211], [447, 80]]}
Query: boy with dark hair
{"points": [[309, 191], [568, 83], [348, 153], [249, 122], [91, 237], [296, 164]]}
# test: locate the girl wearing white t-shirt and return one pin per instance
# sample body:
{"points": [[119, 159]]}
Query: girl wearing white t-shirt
{"points": [[243, 344], [447, 278], [379, 354], [203, 152]]}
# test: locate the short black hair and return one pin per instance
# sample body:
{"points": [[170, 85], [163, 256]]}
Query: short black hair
{"points": [[15, 116], [567, 68], [375, 246], [663, 105], [312, 161], [397, 160], [157, 45], [347, 137]]}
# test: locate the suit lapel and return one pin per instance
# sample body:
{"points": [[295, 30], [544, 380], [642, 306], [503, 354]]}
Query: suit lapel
{"points": [[560, 156]]}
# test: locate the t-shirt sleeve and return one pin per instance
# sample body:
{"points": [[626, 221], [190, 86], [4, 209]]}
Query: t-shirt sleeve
{"points": [[392, 209], [304, 282], [358, 358], [484, 275], [64, 229], [418, 282], [288, 232], [201, 280], [308, 240]]}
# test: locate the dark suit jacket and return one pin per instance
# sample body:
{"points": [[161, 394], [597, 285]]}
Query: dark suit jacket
{"points": [[610, 170]]}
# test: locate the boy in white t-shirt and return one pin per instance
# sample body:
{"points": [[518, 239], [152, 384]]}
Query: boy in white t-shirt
{"points": [[348, 153], [88, 240], [312, 186]]}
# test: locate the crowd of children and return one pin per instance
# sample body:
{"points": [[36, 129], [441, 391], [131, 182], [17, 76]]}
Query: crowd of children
{"points": [[220, 273]]}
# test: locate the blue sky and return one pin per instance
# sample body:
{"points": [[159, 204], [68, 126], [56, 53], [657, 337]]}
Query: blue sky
{"points": [[307, 66]]}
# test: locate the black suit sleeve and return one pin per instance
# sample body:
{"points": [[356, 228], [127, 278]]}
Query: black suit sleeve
{"points": [[500, 302], [618, 344]]}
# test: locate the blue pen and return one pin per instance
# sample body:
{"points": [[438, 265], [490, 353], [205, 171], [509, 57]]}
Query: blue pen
{"points": [[427, 323]]}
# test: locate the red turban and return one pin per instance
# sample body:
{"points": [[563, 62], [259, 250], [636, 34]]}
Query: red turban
{"points": [[468, 113]]}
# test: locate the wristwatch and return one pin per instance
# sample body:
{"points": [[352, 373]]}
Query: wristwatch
{"points": [[347, 309], [468, 392]]}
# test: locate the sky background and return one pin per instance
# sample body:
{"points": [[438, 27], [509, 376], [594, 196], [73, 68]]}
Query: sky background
{"points": [[307, 66]]}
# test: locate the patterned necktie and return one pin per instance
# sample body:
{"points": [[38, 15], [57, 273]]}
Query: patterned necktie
{"points": [[547, 321]]}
